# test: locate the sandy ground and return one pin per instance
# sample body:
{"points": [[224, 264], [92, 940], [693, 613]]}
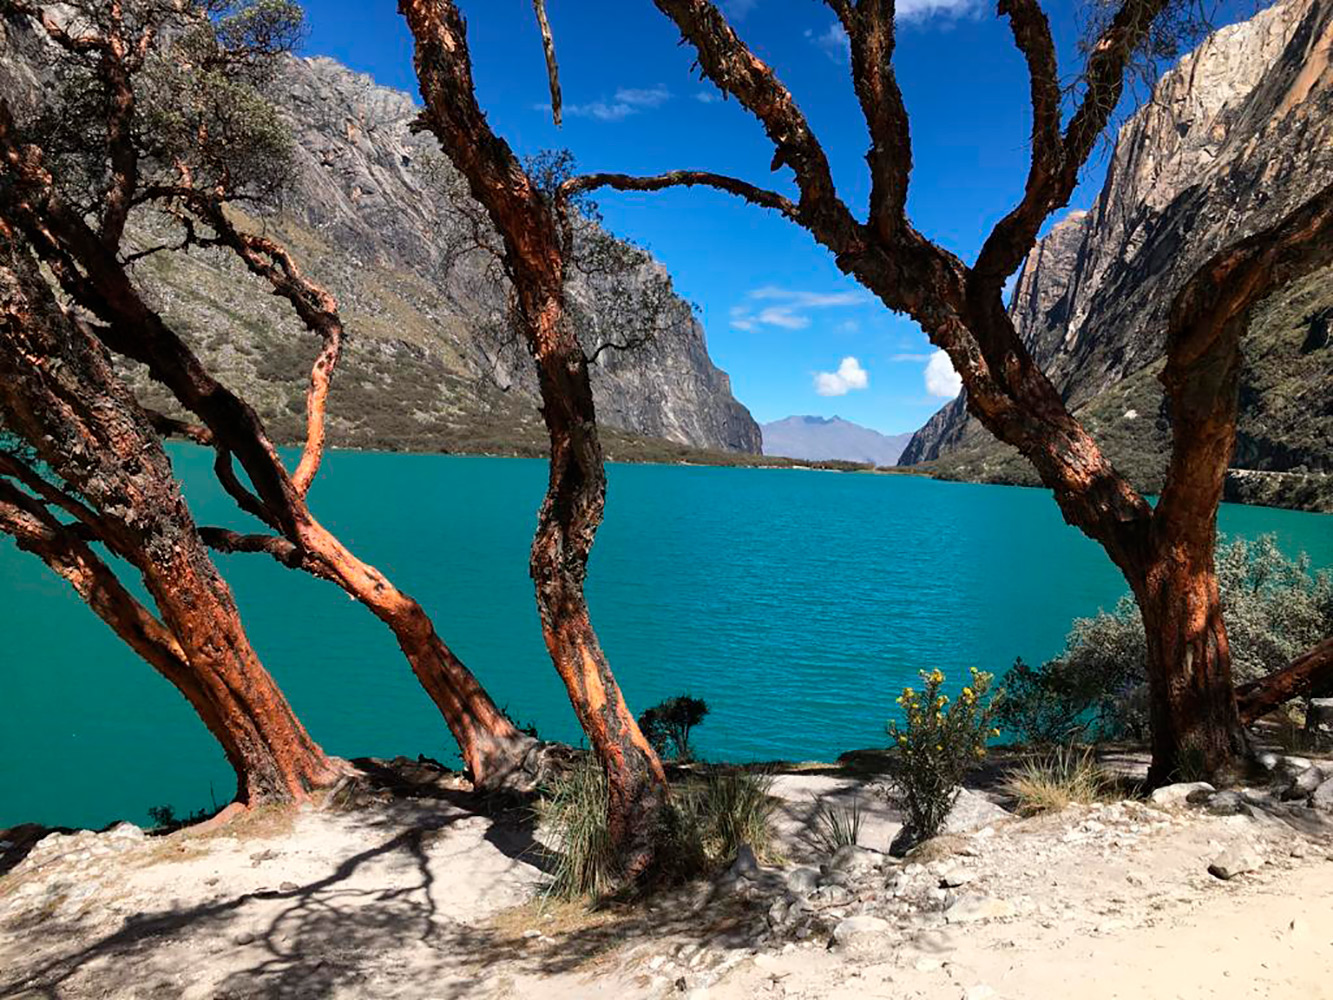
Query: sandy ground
{"points": [[428, 898]]}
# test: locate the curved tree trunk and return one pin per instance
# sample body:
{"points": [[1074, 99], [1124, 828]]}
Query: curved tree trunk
{"points": [[493, 749], [566, 527], [59, 394], [536, 241]]}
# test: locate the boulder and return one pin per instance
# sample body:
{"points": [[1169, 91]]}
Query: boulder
{"points": [[746, 864], [971, 908], [802, 881], [1177, 795], [1319, 716], [1226, 803], [972, 811], [1306, 783], [853, 859], [860, 933], [1322, 799], [1235, 860]]}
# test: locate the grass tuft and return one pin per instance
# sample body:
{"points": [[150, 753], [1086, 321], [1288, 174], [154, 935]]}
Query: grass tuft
{"points": [[1049, 783]]}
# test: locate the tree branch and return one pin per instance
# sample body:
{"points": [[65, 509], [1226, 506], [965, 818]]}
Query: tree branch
{"points": [[729, 63], [226, 540], [1208, 318], [171, 427], [870, 29], [552, 69], [1308, 674], [683, 178]]}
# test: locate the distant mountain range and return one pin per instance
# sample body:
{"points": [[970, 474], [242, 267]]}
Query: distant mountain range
{"points": [[828, 438]]}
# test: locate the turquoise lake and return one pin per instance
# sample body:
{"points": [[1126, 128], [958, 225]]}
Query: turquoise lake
{"points": [[796, 603]]}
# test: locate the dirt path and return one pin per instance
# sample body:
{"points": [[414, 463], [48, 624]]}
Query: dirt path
{"points": [[425, 897]]}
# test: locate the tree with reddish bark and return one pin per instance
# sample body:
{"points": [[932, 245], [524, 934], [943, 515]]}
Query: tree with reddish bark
{"points": [[102, 466], [219, 142], [1165, 553], [536, 232]]}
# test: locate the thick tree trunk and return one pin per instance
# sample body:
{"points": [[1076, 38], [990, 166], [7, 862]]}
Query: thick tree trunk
{"points": [[60, 395], [1309, 675], [535, 244], [567, 524], [1196, 729]]}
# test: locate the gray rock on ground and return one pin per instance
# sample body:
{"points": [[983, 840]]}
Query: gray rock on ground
{"points": [[1177, 795]]}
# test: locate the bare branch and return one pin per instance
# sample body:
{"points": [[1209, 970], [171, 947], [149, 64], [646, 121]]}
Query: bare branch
{"points": [[729, 63], [552, 70], [870, 28], [226, 540], [171, 427], [683, 178]]}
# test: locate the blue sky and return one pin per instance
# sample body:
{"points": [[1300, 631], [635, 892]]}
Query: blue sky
{"points": [[795, 335]]}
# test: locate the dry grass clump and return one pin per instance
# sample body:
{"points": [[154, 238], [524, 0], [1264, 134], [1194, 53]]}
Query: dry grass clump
{"points": [[1053, 781]]}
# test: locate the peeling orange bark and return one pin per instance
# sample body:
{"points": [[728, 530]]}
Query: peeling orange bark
{"points": [[59, 394], [535, 234]]}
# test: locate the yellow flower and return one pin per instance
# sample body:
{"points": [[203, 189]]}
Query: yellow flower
{"points": [[938, 747], [936, 676], [995, 732], [967, 693]]}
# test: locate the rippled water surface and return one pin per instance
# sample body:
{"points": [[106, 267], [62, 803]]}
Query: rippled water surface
{"points": [[796, 603]]}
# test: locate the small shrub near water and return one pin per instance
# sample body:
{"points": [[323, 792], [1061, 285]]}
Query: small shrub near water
{"points": [[1275, 608], [702, 827], [667, 725], [1051, 782], [936, 744]]}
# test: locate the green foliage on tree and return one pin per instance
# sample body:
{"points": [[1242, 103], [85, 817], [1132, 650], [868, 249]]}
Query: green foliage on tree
{"points": [[1275, 608], [667, 725]]}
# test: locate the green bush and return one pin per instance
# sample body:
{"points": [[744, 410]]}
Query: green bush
{"points": [[936, 744], [1275, 608], [667, 725]]}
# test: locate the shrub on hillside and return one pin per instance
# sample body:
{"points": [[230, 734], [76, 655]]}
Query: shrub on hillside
{"points": [[937, 742], [1275, 608]]}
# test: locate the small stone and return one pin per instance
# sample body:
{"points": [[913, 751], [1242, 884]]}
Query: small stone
{"points": [[746, 864], [953, 879], [855, 932], [531, 933], [852, 858], [969, 909], [1236, 860], [1175, 796], [978, 992], [1322, 799], [803, 881], [927, 964], [288, 887], [1225, 803]]}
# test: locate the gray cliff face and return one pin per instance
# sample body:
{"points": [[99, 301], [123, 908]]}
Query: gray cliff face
{"points": [[1234, 137], [374, 212], [831, 438]]}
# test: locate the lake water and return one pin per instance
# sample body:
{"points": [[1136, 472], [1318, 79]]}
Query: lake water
{"points": [[796, 603]]}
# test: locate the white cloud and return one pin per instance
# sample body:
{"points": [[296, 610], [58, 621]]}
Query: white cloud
{"points": [[921, 10], [941, 379], [788, 308], [627, 101], [706, 97], [911, 357], [833, 41], [850, 375], [835, 44], [737, 9]]}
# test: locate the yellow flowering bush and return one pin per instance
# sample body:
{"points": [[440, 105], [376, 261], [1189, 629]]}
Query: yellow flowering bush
{"points": [[936, 742]]}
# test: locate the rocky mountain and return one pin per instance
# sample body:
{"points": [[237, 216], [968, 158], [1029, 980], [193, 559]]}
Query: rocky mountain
{"points": [[378, 215], [1235, 136], [831, 438]]}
